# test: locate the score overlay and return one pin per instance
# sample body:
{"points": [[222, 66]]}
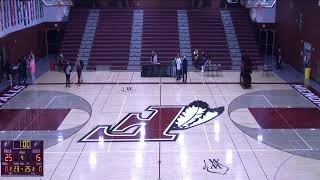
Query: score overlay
{"points": [[21, 158]]}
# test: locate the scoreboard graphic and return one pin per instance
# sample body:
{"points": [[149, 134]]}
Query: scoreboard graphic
{"points": [[21, 158]]}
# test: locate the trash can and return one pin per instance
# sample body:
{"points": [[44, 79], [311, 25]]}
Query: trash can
{"points": [[307, 72], [52, 67]]}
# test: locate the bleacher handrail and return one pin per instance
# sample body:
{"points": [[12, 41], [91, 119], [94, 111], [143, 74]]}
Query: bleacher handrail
{"points": [[57, 2], [259, 3]]}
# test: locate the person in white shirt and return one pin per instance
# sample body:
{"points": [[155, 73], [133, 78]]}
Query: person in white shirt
{"points": [[178, 63], [154, 58]]}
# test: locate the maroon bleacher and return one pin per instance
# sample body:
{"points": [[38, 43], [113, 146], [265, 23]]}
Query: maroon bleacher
{"points": [[161, 4], [73, 33], [245, 34], [160, 33], [207, 34], [112, 40]]}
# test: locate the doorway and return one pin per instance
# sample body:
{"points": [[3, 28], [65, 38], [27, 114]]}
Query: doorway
{"points": [[54, 38], [2, 61], [267, 40]]}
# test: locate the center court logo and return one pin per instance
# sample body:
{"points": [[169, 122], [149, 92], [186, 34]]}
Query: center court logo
{"points": [[156, 123]]}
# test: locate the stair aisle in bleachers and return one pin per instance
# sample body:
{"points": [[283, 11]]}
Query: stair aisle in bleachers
{"points": [[111, 45], [246, 35], [73, 33], [207, 34], [160, 33]]}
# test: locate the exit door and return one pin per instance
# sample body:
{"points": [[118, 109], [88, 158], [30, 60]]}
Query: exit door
{"points": [[267, 39], [2, 60]]}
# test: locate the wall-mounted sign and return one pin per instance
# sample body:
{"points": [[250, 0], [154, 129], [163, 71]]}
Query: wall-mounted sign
{"points": [[307, 54]]}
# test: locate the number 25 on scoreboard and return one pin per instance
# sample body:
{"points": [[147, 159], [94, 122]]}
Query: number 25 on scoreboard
{"points": [[7, 157]]}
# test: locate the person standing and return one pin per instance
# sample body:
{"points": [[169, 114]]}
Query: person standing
{"points": [[279, 60], [154, 57], [81, 66], [178, 63], [9, 72], [246, 70], [20, 70], [185, 69], [195, 59], [68, 71], [60, 62], [33, 69], [24, 69], [226, 4], [78, 66], [203, 60], [173, 68]]}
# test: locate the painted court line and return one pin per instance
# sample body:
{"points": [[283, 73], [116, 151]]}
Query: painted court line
{"points": [[34, 118], [203, 151], [205, 131], [294, 130]]}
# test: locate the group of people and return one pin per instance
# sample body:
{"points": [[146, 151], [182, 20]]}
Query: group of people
{"points": [[199, 61], [21, 69], [67, 68], [180, 67]]}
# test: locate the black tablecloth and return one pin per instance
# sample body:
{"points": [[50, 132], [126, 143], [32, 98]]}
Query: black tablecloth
{"points": [[156, 70]]}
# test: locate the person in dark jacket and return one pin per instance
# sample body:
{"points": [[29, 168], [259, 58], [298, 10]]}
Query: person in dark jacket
{"points": [[9, 71], [79, 71], [68, 71], [184, 69], [203, 60], [279, 60], [8, 68], [246, 70], [81, 67], [20, 71], [60, 62], [24, 69]]}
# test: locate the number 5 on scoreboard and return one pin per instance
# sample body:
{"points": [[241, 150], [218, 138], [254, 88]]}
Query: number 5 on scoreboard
{"points": [[38, 157]]}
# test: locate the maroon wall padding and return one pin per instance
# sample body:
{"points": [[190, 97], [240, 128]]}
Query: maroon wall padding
{"points": [[31, 119], [291, 38], [22, 42], [286, 118]]}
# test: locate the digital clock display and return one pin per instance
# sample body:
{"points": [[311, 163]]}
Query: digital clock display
{"points": [[22, 157]]}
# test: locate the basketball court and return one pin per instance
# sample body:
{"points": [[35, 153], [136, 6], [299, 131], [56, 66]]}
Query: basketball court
{"points": [[118, 125]]}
